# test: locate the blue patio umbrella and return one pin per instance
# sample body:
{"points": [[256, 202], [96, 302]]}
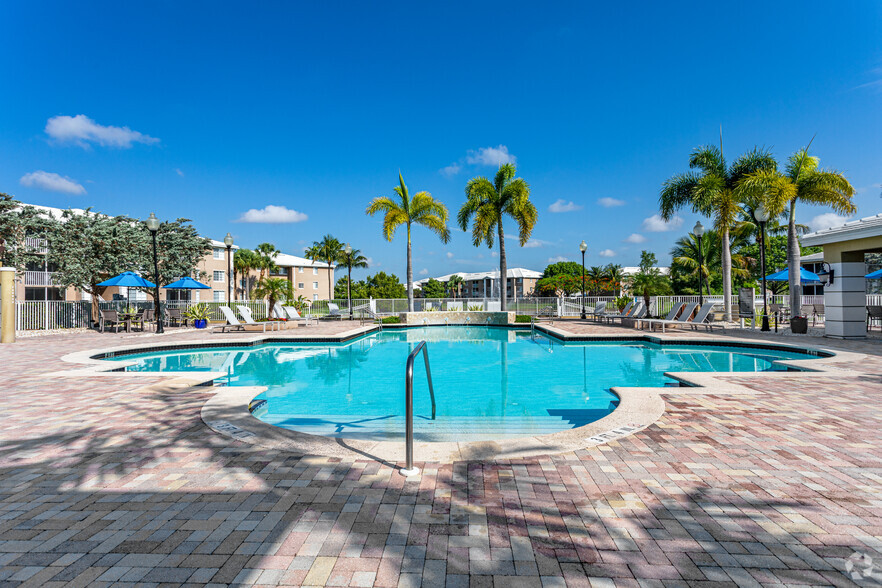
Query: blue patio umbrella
{"points": [[874, 275], [128, 280], [784, 276], [187, 283]]}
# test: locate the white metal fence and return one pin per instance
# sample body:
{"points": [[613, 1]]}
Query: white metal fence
{"points": [[51, 315]]}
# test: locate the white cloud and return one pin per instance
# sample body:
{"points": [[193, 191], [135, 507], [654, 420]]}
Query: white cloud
{"points": [[52, 182], [494, 254], [557, 259], [826, 220], [610, 202], [635, 238], [424, 272], [606, 253], [562, 205], [272, 214], [449, 255], [82, 130], [179, 172], [451, 170], [494, 156], [656, 224], [531, 243]]}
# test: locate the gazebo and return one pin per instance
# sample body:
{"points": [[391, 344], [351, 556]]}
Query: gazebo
{"points": [[845, 295]]}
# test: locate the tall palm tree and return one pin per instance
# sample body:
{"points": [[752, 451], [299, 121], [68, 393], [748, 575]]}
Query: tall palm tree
{"points": [[266, 252], [274, 289], [422, 209], [616, 276], [687, 257], [595, 276], [802, 181], [328, 250], [454, 284], [711, 191], [489, 203], [244, 260], [353, 259]]}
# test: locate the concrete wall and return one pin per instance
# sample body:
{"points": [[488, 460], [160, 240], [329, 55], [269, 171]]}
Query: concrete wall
{"points": [[457, 318]]}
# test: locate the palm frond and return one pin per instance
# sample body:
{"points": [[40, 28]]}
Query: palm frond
{"points": [[709, 159], [676, 193], [391, 222], [757, 159], [827, 188], [382, 204]]}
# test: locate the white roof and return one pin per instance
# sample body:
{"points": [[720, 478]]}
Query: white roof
{"points": [[814, 257], [631, 270], [52, 211], [856, 229], [286, 260], [512, 272], [221, 244]]}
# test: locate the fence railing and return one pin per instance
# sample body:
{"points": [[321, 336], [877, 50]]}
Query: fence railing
{"points": [[56, 314]]}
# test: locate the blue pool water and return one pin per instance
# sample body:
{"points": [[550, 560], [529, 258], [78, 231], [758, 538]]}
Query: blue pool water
{"points": [[490, 383]]}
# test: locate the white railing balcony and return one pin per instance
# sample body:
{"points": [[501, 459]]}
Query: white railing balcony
{"points": [[36, 245], [38, 279]]}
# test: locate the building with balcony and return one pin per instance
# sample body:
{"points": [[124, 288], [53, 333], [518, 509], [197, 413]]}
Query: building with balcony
{"points": [[520, 282]]}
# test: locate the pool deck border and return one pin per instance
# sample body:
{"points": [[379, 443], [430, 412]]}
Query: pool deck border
{"points": [[228, 413]]}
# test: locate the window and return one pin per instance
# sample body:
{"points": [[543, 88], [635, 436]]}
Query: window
{"points": [[315, 296], [219, 296], [315, 285], [218, 276], [218, 253], [300, 269], [315, 271], [300, 285]]}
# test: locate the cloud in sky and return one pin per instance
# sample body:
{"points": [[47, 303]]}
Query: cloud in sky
{"points": [[635, 238], [610, 202], [562, 205], [52, 182], [82, 130], [449, 255], [451, 170], [424, 272], [272, 214], [606, 253], [557, 259], [826, 220], [494, 156], [656, 224], [531, 243], [179, 172]]}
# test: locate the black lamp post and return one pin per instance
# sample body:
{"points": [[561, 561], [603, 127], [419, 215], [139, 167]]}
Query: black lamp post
{"points": [[762, 215], [228, 241], [153, 226], [698, 231], [347, 249], [583, 247]]}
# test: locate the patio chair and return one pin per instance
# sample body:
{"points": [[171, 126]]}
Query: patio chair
{"points": [[292, 314], [818, 312], [333, 312], [245, 312], [636, 311], [874, 313], [623, 313], [138, 319], [109, 318], [670, 318], [701, 318], [233, 323], [149, 316], [599, 309], [174, 315]]}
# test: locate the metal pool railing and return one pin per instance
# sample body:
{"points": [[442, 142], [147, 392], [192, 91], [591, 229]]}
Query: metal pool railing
{"points": [[409, 470]]}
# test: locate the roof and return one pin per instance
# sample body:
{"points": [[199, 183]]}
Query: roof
{"points": [[221, 244], [513, 272], [870, 226], [631, 270], [286, 260], [813, 258]]}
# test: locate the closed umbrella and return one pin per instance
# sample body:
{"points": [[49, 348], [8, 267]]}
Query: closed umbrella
{"points": [[804, 276]]}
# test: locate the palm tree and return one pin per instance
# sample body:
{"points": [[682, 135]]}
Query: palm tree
{"points": [[648, 283], [489, 202], [616, 276], [802, 181], [244, 260], [454, 283], [328, 250], [422, 209], [265, 253], [686, 255], [711, 191], [353, 259], [274, 289], [595, 277]]}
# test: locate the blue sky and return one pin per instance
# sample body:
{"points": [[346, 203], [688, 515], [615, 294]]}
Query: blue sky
{"points": [[207, 110]]}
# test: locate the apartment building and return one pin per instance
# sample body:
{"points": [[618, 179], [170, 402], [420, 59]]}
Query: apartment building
{"points": [[309, 278], [520, 282]]}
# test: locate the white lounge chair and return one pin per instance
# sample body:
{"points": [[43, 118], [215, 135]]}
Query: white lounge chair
{"points": [[292, 314], [334, 312], [671, 318], [599, 309], [249, 320], [233, 323]]}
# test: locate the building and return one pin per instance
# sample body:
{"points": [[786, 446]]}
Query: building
{"points": [[520, 282], [309, 278]]}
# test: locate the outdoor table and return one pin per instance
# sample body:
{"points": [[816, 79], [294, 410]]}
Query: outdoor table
{"points": [[127, 319]]}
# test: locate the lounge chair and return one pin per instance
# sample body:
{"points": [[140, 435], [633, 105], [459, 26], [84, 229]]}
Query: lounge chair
{"points": [[292, 314], [249, 320], [637, 311], [621, 314], [701, 317], [672, 319], [333, 312], [599, 309], [233, 323]]}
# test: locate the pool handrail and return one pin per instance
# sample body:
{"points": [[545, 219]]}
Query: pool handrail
{"points": [[409, 470]]}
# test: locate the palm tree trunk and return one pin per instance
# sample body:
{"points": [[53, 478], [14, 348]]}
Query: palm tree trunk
{"points": [[330, 286], [727, 275], [409, 274], [503, 268], [793, 255]]}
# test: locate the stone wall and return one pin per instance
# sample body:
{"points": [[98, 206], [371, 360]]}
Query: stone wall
{"points": [[457, 318]]}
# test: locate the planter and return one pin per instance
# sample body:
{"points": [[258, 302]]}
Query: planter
{"points": [[799, 325], [200, 323]]}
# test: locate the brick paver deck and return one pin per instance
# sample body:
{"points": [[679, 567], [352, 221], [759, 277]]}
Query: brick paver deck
{"points": [[118, 482]]}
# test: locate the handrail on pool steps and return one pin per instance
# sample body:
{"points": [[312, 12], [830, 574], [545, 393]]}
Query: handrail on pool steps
{"points": [[409, 470]]}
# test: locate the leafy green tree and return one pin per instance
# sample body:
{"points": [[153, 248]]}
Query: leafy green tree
{"points": [[433, 289], [274, 290], [353, 259], [559, 284], [266, 252], [357, 290], [711, 191], [489, 203], [17, 223], [614, 276], [776, 259], [649, 281], [179, 249], [596, 280], [422, 209], [244, 261], [454, 285], [566, 268], [329, 251], [383, 285], [802, 181]]}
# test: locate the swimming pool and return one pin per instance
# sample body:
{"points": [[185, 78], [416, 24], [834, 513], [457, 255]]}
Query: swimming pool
{"points": [[490, 383]]}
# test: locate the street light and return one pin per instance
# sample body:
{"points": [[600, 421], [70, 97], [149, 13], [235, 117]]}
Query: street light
{"points": [[347, 249], [228, 241], [698, 231], [153, 226], [583, 247], [761, 214]]}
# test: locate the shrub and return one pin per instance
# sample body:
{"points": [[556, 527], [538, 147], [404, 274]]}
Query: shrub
{"points": [[391, 320], [522, 318]]}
